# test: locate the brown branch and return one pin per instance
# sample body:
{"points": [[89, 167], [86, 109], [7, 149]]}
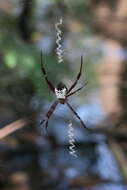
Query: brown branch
{"points": [[25, 25], [10, 128], [89, 182], [110, 132], [120, 156]]}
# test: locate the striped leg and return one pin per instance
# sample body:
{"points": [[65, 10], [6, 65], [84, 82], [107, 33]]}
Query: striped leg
{"points": [[78, 76], [49, 113], [45, 75], [77, 90], [83, 124]]}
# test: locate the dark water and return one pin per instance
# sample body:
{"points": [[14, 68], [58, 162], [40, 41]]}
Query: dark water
{"points": [[94, 159], [47, 161]]}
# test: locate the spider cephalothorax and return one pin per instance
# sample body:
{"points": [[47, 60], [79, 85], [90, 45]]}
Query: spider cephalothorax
{"points": [[62, 94]]}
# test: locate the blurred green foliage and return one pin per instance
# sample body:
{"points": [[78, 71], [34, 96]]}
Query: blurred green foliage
{"points": [[25, 61], [23, 57]]}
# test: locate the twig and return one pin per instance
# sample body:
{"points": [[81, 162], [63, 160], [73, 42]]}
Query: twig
{"points": [[10, 128], [120, 156]]}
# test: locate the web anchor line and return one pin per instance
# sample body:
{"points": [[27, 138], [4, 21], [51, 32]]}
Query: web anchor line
{"points": [[59, 50]]}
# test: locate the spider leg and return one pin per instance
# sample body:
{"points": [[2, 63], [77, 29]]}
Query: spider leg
{"points": [[45, 74], [41, 123], [78, 76], [77, 90], [49, 113], [75, 113]]}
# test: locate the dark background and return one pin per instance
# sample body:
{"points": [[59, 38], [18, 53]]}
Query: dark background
{"points": [[29, 157]]}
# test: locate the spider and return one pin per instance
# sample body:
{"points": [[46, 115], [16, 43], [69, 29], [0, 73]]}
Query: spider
{"points": [[62, 93]]}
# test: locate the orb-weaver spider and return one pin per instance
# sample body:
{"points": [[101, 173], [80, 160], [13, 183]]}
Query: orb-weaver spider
{"points": [[62, 93]]}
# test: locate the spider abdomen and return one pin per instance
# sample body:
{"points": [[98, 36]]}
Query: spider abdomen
{"points": [[61, 91], [60, 94]]}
